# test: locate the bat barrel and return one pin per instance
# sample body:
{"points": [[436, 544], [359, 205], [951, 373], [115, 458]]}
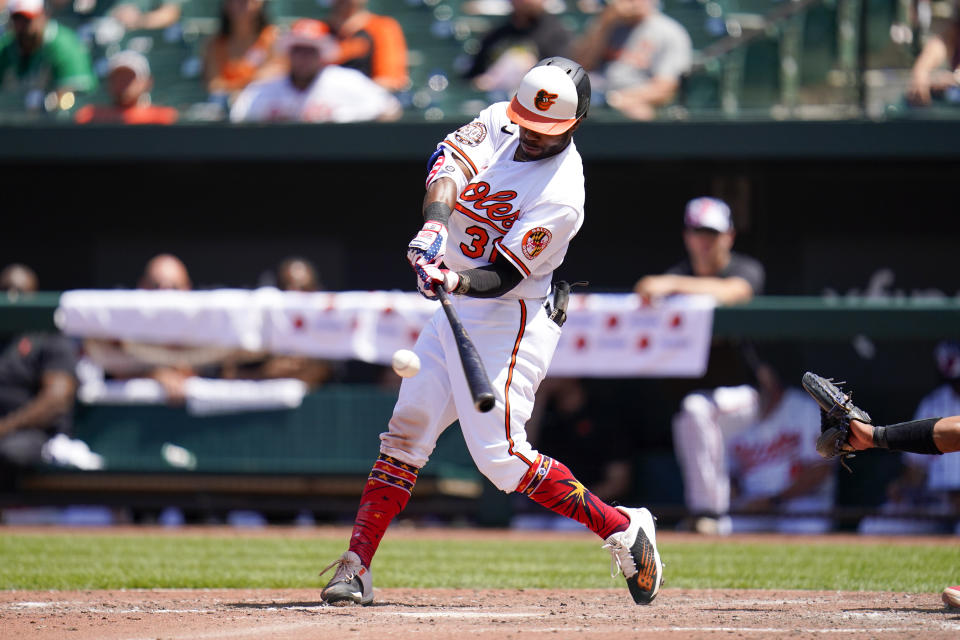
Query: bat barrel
{"points": [[477, 379]]}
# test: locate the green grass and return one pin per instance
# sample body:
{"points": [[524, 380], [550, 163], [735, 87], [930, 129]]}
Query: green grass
{"points": [[56, 561]]}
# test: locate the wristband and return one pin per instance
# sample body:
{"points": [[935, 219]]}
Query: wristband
{"points": [[437, 212], [913, 437]]}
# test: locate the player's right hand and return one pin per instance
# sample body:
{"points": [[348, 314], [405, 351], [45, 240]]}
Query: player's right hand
{"points": [[428, 246]]}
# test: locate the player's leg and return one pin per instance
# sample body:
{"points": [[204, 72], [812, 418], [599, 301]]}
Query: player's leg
{"points": [[701, 427], [522, 336], [424, 409]]}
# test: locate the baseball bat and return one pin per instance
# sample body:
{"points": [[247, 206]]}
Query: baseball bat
{"points": [[477, 379]]}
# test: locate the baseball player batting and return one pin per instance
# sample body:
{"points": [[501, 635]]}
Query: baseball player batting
{"points": [[504, 198]]}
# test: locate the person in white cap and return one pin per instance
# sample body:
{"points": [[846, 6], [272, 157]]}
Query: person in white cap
{"points": [[505, 196], [729, 397], [40, 54], [314, 90], [711, 267], [129, 82]]}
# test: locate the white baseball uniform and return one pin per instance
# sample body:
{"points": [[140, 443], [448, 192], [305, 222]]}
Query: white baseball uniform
{"points": [[943, 475], [336, 95], [943, 472], [766, 459], [527, 213], [709, 427], [701, 428]]}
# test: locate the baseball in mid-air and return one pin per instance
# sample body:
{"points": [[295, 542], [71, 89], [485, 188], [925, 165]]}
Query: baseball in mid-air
{"points": [[406, 363]]}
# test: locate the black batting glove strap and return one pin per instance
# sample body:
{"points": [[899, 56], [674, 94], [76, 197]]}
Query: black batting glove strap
{"points": [[437, 212], [912, 437]]}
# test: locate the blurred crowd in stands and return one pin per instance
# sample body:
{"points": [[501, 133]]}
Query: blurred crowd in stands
{"points": [[162, 61]]}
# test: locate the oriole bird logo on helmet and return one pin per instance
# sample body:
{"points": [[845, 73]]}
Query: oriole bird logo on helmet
{"points": [[544, 99]]}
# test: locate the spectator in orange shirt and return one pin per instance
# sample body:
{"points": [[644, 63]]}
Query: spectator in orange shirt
{"points": [[128, 82], [370, 43], [242, 51]]}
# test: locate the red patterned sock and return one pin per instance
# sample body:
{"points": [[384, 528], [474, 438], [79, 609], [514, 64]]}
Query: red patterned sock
{"points": [[549, 483], [384, 496]]}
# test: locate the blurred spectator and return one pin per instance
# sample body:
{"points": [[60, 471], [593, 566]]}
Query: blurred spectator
{"points": [[166, 272], [568, 422], [168, 365], [129, 82], [297, 274], [293, 274], [711, 267], [779, 481], [37, 386], [315, 90], [510, 50], [243, 49], [639, 55], [928, 484], [723, 401], [369, 43], [18, 279], [936, 72], [131, 14], [38, 54]]}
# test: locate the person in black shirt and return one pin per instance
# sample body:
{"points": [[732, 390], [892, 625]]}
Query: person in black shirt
{"points": [[730, 396], [511, 49], [37, 386], [711, 266]]}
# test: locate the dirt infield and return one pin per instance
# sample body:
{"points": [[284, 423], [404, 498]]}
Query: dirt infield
{"points": [[272, 614], [443, 614]]}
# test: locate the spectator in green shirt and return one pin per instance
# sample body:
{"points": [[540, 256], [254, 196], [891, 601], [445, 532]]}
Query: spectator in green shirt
{"points": [[38, 54]]}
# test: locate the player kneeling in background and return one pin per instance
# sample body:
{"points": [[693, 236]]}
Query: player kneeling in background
{"points": [[515, 180]]}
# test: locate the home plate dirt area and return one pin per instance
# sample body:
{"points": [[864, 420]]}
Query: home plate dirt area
{"points": [[441, 613], [397, 614]]}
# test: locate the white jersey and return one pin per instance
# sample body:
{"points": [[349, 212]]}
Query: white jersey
{"points": [[524, 212], [336, 95], [768, 455], [943, 472]]}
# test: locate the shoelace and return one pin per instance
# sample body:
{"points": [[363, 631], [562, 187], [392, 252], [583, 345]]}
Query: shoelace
{"points": [[344, 572], [619, 557]]}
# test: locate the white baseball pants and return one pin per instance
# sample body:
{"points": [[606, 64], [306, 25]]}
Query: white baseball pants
{"points": [[700, 429], [516, 341]]}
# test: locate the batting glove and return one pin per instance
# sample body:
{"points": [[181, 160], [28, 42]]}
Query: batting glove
{"points": [[429, 245], [430, 274]]}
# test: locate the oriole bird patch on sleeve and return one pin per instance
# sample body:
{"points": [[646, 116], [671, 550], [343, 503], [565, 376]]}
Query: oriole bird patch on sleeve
{"points": [[535, 241]]}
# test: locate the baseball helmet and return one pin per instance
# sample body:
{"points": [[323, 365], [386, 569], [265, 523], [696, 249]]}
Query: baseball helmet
{"points": [[552, 96]]}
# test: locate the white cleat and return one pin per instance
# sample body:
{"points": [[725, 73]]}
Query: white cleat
{"points": [[351, 583], [634, 552]]}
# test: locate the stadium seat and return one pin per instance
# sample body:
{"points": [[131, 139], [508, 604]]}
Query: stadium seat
{"points": [[760, 87], [819, 46]]}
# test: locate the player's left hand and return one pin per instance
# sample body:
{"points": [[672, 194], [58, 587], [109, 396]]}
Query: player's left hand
{"points": [[430, 274], [429, 245]]}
